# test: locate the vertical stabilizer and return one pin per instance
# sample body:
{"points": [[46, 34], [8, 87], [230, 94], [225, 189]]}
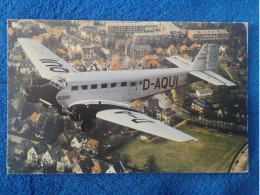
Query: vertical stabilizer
{"points": [[207, 59], [212, 58], [200, 60]]}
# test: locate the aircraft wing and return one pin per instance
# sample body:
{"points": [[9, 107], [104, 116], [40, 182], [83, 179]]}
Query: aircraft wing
{"points": [[143, 123], [211, 77], [47, 63]]}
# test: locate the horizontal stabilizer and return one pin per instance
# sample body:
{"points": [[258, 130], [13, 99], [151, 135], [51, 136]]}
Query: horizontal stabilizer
{"points": [[143, 123], [180, 62], [211, 77]]}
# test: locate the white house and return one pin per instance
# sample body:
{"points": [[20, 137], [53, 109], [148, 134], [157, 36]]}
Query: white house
{"points": [[78, 141], [52, 155], [35, 153], [117, 168]]}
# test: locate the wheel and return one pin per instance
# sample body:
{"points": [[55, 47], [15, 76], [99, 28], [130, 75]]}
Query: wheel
{"points": [[87, 125], [75, 114]]}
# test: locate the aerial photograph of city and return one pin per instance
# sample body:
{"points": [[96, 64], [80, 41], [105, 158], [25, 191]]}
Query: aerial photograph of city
{"points": [[126, 97]]}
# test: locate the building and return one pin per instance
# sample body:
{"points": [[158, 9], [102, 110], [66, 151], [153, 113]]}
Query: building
{"points": [[78, 141], [77, 64], [129, 27], [88, 53], [92, 146], [156, 38], [86, 31], [16, 54], [166, 115], [121, 44], [52, 155], [34, 118], [208, 35], [100, 167], [65, 137], [152, 104], [57, 33], [184, 49], [117, 168], [102, 64], [83, 166], [150, 60], [139, 51], [71, 158], [36, 152], [116, 65], [169, 27], [21, 149], [204, 92], [25, 67], [171, 50], [201, 106], [195, 46]]}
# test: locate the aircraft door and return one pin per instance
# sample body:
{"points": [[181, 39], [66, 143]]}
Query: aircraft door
{"points": [[132, 89]]}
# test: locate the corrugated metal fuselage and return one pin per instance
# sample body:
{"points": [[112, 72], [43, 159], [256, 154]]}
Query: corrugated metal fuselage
{"points": [[119, 86]]}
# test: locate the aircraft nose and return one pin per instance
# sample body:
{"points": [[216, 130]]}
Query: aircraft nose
{"points": [[30, 94]]}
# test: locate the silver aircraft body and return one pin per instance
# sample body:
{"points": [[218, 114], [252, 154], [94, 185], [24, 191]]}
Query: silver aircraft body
{"points": [[108, 94]]}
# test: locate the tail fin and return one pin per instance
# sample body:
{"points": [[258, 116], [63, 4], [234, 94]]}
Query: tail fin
{"points": [[207, 58]]}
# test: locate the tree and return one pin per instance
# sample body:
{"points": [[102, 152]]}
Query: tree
{"points": [[150, 165], [125, 159], [27, 110]]}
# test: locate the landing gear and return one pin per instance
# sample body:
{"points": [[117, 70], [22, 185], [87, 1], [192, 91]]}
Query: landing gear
{"points": [[76, 112], [87, 125], [61, 111]]}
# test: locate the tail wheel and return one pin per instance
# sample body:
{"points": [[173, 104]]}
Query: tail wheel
{"points": [[87, 125]]}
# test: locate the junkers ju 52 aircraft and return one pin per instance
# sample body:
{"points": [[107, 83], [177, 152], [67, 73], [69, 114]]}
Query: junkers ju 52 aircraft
{"points": [[107, 94]]}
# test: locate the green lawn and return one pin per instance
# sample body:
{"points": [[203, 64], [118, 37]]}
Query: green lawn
{"points": [[212, 153]]}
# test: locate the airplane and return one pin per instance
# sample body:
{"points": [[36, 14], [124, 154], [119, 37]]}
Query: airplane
{"points": [[107, 95]]}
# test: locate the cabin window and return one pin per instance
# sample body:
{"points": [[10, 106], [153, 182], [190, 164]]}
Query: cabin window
{"points": [[104, 85], [84, 87], [133, 84], [123, 84], [113, 84], [74, 88], [94, 86], [140, 82]]}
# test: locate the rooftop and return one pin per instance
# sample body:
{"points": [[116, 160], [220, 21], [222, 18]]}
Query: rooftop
{"points": [[131, 24], [213, 31], [160, 33], [170, 26]]}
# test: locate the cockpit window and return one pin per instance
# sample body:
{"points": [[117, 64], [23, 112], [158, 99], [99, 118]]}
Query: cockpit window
{"points": [[74, 88], [59, 82]]}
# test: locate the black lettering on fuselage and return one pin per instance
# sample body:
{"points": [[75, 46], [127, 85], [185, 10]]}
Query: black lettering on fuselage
{"points": [[54, 65], [146, 84], [135, 118], [157, 84], [165, 82]]}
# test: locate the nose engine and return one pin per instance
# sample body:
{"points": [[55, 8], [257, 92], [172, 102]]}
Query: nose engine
{"points": [[42, 91]]}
